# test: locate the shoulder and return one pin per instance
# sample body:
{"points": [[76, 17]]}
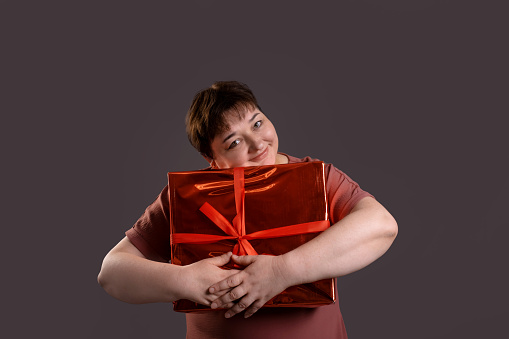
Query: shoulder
{"points": [[293, 160], [333, 176], [328, 167]]}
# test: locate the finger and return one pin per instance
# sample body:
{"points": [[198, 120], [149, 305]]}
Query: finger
{"points": [[218, 294], [228, 306], [226, 284], [221, 260], [243, 260], [205, 302], [228, 273], [231, 296], [224, 307], [212, 297], [238, 307], [253, 309]]}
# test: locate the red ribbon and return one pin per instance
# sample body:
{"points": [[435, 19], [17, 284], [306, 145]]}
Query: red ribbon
{"points": [[237, 231]]}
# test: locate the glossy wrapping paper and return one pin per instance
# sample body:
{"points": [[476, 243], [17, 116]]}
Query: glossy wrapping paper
{"points": [[249, 210]]}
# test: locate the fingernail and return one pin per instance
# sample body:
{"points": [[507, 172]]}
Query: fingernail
{"points": [[227, 315], [214, 305], [212, 289], [247, 316]]}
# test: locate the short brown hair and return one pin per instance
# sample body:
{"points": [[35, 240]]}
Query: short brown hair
{"points": [[206, 116]]}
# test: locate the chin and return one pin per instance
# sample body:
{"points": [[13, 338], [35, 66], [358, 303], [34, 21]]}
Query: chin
{"points": [[268, 161]]}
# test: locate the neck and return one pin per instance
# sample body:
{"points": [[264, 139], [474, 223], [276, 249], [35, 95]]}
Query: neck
{"points": [[281, 159]]}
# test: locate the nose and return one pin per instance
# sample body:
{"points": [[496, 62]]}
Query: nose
{"points": [[256, 144]]}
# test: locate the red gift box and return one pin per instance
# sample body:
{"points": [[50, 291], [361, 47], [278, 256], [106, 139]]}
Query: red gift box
{"points": [[249, 210]]}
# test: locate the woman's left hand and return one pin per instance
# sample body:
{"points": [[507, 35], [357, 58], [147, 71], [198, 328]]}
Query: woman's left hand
{"points": [[263, 277]]}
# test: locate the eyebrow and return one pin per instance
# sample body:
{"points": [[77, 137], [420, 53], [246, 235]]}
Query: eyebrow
{"points": [[232, 134]]}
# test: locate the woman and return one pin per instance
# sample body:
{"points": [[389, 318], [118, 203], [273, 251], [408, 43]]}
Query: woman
{"points": [[226, 125]]}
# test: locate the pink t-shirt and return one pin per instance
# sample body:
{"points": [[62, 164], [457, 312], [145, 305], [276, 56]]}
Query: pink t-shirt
{"points": [[151, 235]]}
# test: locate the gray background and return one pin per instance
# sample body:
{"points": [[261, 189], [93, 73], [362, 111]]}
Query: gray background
{"points": [[407, 97]]}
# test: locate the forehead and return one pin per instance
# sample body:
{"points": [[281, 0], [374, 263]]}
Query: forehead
{"points": [[234, 116]]}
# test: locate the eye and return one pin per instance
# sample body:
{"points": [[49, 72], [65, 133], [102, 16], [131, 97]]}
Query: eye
{"points": [[258, 124], [234, 144]]}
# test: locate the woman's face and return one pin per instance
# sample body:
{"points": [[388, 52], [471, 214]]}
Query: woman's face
{"points": [[250, 140]]}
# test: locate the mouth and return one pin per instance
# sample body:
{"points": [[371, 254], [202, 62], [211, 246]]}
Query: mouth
{"points": [[261, 156]]}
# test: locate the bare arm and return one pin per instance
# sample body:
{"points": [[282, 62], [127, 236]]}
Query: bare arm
{"points": [[128, 276], [353, 243], [347, 246]]}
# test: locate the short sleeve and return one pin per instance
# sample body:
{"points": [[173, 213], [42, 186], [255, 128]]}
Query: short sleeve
{"points": [[343, 193], [151, 233]]}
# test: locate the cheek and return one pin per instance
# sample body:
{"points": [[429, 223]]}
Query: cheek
{"points": [[234, 159], [271, 135]]}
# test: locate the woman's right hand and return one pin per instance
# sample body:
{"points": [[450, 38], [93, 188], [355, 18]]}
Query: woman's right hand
{"points": [[196, 278]]}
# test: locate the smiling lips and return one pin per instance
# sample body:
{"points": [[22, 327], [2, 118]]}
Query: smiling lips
{"points": [[261, 156]]}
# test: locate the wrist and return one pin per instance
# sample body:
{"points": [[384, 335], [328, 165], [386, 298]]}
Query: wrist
{"points": [[175, 278], [289, 270]]}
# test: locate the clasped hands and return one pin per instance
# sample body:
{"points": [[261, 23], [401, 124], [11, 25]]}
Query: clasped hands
{"points": [[263, 277]]}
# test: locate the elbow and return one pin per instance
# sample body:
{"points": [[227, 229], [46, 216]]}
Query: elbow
{"points": [[113, 282], [390, 226], [112, 288], [101, 279], [104, 278]]}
